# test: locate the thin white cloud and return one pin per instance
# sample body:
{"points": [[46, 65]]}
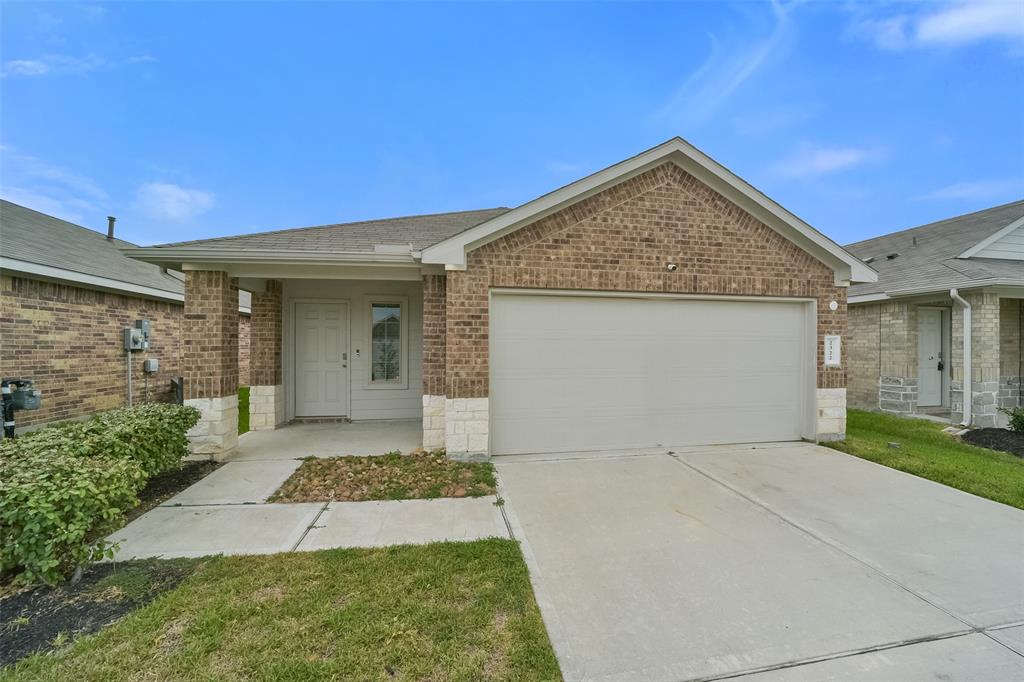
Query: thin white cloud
{"points": [[43, 186], [173, 203], [813, 162], [952, 24], [977, 190], [59, 64], [53, 64], [731, 62], [967, 22]]}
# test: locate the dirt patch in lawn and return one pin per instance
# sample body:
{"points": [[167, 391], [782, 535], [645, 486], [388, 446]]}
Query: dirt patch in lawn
{"points": [[420, 475], [996, 439], [163, 487], [46, 618]]}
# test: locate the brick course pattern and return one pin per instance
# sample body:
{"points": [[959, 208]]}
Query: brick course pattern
{"points": [[69, 340], [210, 329], [621, 240], [244, 349], [434, 321], [265, 335]]}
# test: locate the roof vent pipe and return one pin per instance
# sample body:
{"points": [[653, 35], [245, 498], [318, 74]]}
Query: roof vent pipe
{"points": [[110, 227], [967, 381]]}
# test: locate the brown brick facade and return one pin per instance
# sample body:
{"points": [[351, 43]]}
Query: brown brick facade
{"points": [[210, 335], [621, 240], [434, 328], [69, 340], [244, 349], [266, 335]]}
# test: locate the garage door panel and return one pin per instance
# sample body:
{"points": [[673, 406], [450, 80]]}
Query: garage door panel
{"points": [[591, 373]]}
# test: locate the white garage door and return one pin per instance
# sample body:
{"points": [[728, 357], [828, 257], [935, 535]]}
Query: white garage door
{"points": [[582, 373]]}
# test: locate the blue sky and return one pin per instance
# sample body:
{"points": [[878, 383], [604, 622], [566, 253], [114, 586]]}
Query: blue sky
{"points": [[194, 120]]}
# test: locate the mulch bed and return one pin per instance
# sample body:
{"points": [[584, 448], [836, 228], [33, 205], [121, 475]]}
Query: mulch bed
{"points": [[163, 487], [996, 439], [420, 475], [44, 618]]}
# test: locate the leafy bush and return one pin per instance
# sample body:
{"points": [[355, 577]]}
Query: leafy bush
{"points": [[64, 487], [1016, 416]]}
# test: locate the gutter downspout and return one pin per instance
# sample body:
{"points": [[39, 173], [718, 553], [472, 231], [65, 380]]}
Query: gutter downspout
{"points": [[967, 382]]}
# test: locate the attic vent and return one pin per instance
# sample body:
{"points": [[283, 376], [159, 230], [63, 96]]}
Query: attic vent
{"points": [[891, 256], [869, 261]]}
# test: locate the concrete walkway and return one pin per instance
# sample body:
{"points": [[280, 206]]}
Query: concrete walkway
{"points": [[777, 563], [227, 512]]}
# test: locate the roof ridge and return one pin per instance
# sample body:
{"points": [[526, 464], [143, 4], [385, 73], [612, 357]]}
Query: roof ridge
{"points": [[936, 222], [326, 225]]}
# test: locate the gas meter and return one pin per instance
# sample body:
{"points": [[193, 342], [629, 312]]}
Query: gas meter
{"points": [[18, 394]]}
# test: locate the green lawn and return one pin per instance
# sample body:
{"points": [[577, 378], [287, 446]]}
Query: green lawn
{"points": [[453, 611], [243, 409], [927, 452]]}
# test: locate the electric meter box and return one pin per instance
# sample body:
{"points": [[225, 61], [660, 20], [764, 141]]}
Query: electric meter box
{"points": [[134, 339], [151, 365]]}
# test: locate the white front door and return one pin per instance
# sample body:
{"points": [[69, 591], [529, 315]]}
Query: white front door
{"points": [[321, 360], [929, 357]]}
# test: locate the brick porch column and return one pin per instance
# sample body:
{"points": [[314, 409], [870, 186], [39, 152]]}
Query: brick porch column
{"points": [[984, 357], [897, 380], [210, 360], [435, 320], [266, 394]]}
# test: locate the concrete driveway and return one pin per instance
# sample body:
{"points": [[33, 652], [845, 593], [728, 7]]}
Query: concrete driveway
{"points": [[790, 562]]}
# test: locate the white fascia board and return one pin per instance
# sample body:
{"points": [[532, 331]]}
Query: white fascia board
{"points": [[452, 252], [867, 298], [49, 272], [992, 239]]}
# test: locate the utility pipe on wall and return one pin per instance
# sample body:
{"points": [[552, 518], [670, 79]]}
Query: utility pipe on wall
{"points": [[967, 382]]}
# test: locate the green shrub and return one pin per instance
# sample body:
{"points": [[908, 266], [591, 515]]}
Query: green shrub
{"points": [[63, 488], [1016, 416]]}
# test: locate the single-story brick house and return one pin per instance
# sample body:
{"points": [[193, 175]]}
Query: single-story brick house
{"points": [[907, 350], [660, 301], [66, 294]]}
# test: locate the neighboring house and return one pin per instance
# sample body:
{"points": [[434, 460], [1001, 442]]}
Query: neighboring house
{"points": [[907, 350], [661, 301], [66, 293]]}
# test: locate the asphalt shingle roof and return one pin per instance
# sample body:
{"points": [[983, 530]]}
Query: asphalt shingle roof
{"points": [[419, 231], [35, 237], [932, 263]]}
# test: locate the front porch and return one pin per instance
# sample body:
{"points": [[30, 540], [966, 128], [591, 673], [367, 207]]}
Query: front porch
{"points": [[907, 356], [338, 360]]}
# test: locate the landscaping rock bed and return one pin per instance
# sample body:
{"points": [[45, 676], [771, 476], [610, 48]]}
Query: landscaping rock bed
{"points": [[996, 439], [45, 618], [394, 476]]}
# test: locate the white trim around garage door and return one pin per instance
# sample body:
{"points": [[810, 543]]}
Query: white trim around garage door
{"points": [[810, 365]]}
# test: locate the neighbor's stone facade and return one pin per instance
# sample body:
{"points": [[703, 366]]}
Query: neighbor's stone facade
{"points": [[621, 240], [210, 360], [68, 339], [883, 360]]}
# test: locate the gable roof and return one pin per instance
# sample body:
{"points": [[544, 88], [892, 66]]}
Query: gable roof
{"points": [[34, 243], [452, 251], [931, 257], [388, 239]]}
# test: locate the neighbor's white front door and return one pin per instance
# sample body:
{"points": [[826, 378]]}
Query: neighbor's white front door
{"points": [[321, 360], [929, 357]]}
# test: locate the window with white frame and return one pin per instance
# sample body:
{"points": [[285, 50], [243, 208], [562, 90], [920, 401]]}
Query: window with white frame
{"points": [[387, 342]]}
